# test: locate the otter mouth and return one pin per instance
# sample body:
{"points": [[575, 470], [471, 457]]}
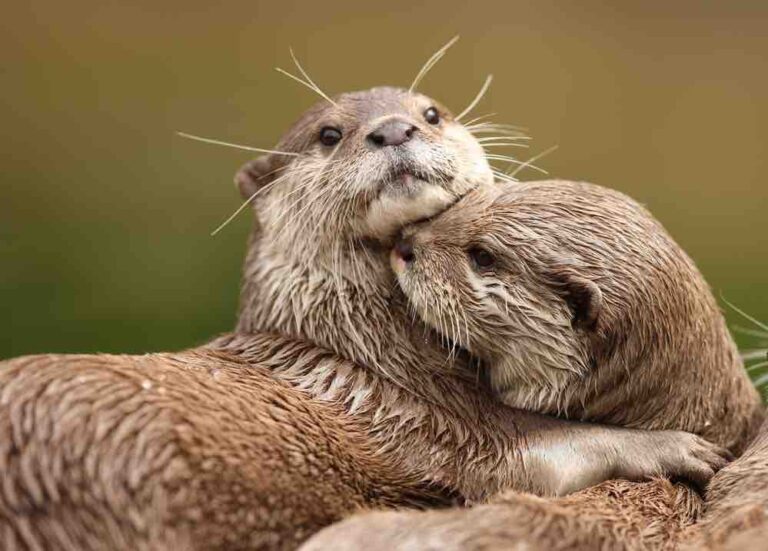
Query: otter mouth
{"points": [[437, 213], [405, 181], [409, 190]]}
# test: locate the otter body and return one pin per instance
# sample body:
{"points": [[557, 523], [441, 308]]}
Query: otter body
{"points": [[582, 305], [193, 450], [579, 301], [250, 460], [317, 268]]}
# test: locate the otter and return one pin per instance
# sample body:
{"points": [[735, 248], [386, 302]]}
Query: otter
{"points": [[188, 450], [346, 176], [580, 303], [327, 388]]}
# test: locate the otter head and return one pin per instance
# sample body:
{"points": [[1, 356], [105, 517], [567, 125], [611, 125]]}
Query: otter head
{"points": [[358, 168], [491, 275]]}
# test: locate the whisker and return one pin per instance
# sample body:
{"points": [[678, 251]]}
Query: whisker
{"points": [[309, 80], [503, 138], [234, 145], [503, 129], [760, 354], [484, 145], [749, 331], [503, 176], [499, 139], [512, 160], [245, 204], [431, 62], [757, 366], [760, 381], [478, 97], [761, 325], [309, 83], [478, 119], [529, 162]]}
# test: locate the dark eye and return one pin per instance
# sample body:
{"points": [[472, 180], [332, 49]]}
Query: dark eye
{"points": [[481, 257], [330, 135], [432, 116]]}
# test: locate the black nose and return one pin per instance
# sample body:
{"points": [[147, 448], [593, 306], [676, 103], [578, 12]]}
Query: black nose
{"points": [[404, 249], [393, 132]]}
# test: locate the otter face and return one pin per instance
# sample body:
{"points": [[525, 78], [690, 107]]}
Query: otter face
{"points": [[362, 167], [489, 278]]}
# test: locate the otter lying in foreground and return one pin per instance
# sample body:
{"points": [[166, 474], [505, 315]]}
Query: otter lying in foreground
{"points": [[580, 304], [136, 452]]}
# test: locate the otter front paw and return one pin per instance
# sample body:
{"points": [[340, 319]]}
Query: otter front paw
{"points": [[673, 454]]}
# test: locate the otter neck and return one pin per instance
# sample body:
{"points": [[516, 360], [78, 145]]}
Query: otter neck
{"points": [[348, 303]]}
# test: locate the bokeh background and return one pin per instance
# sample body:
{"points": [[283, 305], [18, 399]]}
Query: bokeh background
{"points": [[105, 214]]}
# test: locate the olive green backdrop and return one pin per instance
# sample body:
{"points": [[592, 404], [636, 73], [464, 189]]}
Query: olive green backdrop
{"points": [[105, 215]]}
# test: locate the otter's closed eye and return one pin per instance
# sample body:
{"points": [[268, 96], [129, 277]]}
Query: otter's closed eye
{"points": [[432, 116], [330, 136], [481, 257]]}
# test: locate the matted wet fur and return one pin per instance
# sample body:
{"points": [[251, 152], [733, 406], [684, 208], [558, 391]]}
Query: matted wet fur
{"points": [[191, 450], [677, 364], [582, 305], [316, 269], [614, 515], [320, 313]]}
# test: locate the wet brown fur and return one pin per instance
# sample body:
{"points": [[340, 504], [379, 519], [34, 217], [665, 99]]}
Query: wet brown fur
{"points": [[317, 277], [691, 377], [193, 450], [656, 353], [94, 458], [614, 515]]}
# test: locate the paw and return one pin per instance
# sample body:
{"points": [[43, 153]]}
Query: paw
{"points": [[685, 456]]}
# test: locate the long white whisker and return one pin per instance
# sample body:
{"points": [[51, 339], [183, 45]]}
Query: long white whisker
{"points": [[234, 145], [309, 79], [431, 62], [761, 325], [757, 366], [529, 162], [760, 381], [478, 97], [751, 332], [761, 354], [510, 139], [479, 118], [503, 129], [245, 204], [484, 145], [503, 176], [512, 160], [307, 84]]}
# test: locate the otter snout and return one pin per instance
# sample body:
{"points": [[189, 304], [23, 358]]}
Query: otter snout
{"points": [[402, 255], [391, 133]]}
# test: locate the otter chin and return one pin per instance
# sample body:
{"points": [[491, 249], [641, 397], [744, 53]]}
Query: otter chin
{"points": [[397, 207], [580, 304]]}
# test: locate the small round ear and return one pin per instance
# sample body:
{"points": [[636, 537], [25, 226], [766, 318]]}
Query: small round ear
{"points": [[254, 175], [585, 300], [582, 295]]}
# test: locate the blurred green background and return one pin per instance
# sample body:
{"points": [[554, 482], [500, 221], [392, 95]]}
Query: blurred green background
{"points": [[105, 214]]}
